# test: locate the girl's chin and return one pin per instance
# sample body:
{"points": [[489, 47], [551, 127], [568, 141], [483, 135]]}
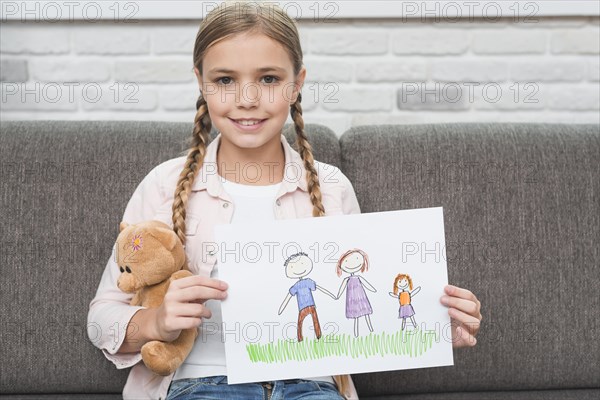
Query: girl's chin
{"points": [[246, 140]]}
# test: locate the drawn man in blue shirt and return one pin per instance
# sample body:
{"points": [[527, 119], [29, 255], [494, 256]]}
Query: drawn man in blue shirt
{"points": [[297, 266]]}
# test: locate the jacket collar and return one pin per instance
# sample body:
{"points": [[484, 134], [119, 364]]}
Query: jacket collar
{"points": [[208, 178]]}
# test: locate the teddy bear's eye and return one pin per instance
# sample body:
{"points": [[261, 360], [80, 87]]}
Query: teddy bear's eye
{"points": [[121, 269], [127, 268]]}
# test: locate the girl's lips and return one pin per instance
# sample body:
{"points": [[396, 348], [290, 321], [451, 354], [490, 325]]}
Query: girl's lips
{"points": [[249, 128]]}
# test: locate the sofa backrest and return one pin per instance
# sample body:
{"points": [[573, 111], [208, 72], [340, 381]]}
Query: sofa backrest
{"points": [[63, 189], [521, 207]]}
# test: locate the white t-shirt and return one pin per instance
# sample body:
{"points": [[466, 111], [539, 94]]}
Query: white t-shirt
{"points": [[207, 358]]}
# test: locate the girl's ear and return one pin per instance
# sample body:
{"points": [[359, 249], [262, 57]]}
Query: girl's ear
{"points": [[299, 82], [198, 77]]}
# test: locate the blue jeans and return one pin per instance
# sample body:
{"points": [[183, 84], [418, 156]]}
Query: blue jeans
{"points": [[216, 387]]}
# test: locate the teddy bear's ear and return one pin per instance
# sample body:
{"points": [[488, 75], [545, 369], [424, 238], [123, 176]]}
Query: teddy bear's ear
{"points": [[166, 236], [123, 225]]}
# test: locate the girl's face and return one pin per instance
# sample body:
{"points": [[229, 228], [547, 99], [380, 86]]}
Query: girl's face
{"points": [[353, 262], [402, 283], [258, 83]]}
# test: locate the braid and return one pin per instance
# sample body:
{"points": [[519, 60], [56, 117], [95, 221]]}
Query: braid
{"points": [[305, 150], [193, 163], [314, 190]]}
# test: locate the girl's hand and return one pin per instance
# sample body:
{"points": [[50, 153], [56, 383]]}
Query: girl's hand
{"points": [[183, 305], [465, 315]]}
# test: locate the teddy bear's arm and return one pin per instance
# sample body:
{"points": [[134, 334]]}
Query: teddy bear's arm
{"points": [[180, 274], [136, 301]]}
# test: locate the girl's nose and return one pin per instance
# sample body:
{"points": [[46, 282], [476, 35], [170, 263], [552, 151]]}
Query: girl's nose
{"points": [[249, 95]]}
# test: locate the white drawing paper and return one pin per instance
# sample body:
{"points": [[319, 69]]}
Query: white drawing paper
{"points": [[364, 288]]}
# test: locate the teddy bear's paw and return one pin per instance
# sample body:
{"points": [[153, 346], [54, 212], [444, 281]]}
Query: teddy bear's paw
{"points": [[180, 274], [157, 358]]}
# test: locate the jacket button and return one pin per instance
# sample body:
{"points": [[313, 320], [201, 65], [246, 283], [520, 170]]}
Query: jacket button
{"points": [[225, 205], [278, 202]]}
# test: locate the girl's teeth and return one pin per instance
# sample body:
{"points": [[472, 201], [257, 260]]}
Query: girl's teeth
{"points": [[248, 123]]}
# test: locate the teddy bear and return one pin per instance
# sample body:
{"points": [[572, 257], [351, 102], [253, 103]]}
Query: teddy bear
{"points": [[150, 256]]}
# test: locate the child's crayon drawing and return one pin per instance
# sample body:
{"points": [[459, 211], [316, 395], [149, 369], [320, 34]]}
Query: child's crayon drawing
{"points": [[403, 291], [326, 296]]}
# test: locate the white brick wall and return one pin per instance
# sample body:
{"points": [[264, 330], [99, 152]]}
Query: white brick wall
{"points": [[371, 71]]}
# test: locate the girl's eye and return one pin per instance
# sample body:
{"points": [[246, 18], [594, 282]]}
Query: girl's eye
{"points": [[269, 79], [275, 79], [220, 79]]}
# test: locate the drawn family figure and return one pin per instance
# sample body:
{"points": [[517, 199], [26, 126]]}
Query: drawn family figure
{"points": [[298, 266], [357, 302], [403, 291]]}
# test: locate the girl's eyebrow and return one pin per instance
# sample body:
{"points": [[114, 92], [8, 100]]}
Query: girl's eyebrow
{"points": [[230, 71]]}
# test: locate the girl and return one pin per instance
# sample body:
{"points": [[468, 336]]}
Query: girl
{"points": [[406, 310], [357, 303], [248, 62]]}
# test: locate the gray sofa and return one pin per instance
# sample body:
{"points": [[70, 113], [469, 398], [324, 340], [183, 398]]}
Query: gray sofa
{"points": [[522, 221]]}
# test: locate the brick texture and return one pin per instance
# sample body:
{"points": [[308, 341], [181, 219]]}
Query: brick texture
{"points": [[359, 71]]}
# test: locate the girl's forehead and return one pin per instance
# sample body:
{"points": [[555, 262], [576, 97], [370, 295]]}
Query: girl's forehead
{"points": [[245, 53]]}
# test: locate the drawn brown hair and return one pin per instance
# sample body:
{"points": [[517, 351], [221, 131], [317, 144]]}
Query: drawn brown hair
{"points": [[399, 278]]}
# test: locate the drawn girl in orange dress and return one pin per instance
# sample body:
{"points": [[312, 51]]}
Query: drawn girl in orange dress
{"points": [[404, 296]]}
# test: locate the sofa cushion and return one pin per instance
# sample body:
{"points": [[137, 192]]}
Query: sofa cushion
{"points": [[521, 209]]}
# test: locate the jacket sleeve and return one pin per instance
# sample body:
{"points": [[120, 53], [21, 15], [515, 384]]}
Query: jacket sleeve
{"points": [[109, 311]]}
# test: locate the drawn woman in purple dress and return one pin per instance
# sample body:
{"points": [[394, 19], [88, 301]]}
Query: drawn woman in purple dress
{"points": [[357, 303]]}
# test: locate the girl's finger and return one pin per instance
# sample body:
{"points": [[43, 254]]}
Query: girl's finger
{"points": [[199, 294], [464, 338], [198, 280], [188, 323], [193, 310], [470, 322], [463, 305], [455, 291]]}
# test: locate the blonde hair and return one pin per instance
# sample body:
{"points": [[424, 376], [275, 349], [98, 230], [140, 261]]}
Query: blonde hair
{"points": [[398, 278], [228, 20]]}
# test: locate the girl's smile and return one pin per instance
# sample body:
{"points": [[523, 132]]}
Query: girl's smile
{"points": [[248, 125]]}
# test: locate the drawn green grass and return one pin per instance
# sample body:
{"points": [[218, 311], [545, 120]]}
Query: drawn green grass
{"points": [[401, 343]]}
